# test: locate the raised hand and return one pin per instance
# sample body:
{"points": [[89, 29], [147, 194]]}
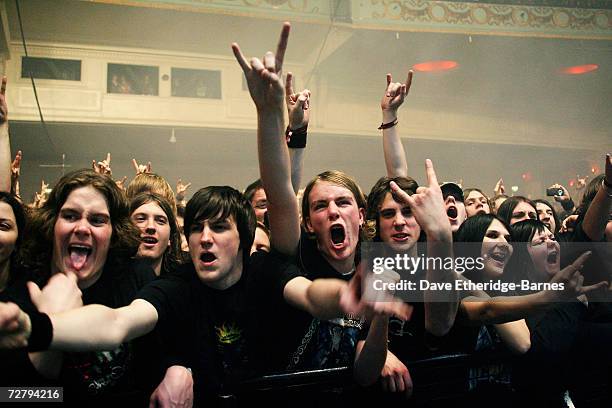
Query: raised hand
{"points": [[15, 173], [298, 104], [427, 205], [103, 167], [121, 183], [264, 77], [141, 168], [499, 188], [3, 104], [394, 95], [181, 189], [565, 196]]}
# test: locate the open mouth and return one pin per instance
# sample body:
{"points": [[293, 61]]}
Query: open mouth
{"points": [[149, 240], [207, 257], [547, 225], [402, 236], [78, 255], [552, 257], [499, 256], [452, 212], [337, 234]]}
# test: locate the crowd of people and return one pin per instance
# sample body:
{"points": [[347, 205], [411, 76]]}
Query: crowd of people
{"points": [[128, 292]]}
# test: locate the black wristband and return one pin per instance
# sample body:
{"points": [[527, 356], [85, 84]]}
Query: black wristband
{"points": [[42, 332], [296, 139], [568, 205], [606, 183], [387, 125]]}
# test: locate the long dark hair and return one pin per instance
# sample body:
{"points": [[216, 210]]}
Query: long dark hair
{"points": [[474, 230], [521, 265], [38, 248], [554, 213], [21, 222], [504, 212]]}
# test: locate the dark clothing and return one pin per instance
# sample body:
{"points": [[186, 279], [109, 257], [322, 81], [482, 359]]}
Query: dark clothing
{"points": [[325, 344], [224, 334], [95, 377]]}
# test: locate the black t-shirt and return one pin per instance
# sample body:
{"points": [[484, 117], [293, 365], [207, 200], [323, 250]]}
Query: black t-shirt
{"points": [[222, 334], [91, 376], [324, 344]]}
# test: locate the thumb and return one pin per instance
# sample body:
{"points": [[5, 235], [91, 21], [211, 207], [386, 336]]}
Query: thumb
{"points": [[34, 291]]}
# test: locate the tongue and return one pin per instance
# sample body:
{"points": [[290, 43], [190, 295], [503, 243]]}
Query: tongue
{"points": [[78, 259]]}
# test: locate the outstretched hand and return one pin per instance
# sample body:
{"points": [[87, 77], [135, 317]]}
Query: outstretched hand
{"points": [[357, 300], [298, 104], [427, 205], [573, 280], [264, 76], [15, 326]]}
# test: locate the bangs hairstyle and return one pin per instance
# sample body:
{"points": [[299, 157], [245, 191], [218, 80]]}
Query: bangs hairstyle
{"points": [[151, 183], [38, 248], [504, 212], [221, 202], [467, 192], [521, 265], [252, 188], [337, 178], [172, 253], [21, 222], [554, 213], [474, 230], [377, 196]]}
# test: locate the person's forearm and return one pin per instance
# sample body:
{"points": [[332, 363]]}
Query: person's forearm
{"points": [[297, 168], [97, 327], [598, 214], [395, 156], [440, 307], [324, 298], [503, 309], [371, 358], [275, 171]]}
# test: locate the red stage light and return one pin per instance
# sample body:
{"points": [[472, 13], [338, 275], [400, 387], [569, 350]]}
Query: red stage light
{"points": [[435, 66], [579, 69]]}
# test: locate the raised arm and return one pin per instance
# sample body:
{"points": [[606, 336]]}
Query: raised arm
{"points": [[395, 156], [598, 214], [267, 92], [5, 142], [298, 108], [427, 205]]}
